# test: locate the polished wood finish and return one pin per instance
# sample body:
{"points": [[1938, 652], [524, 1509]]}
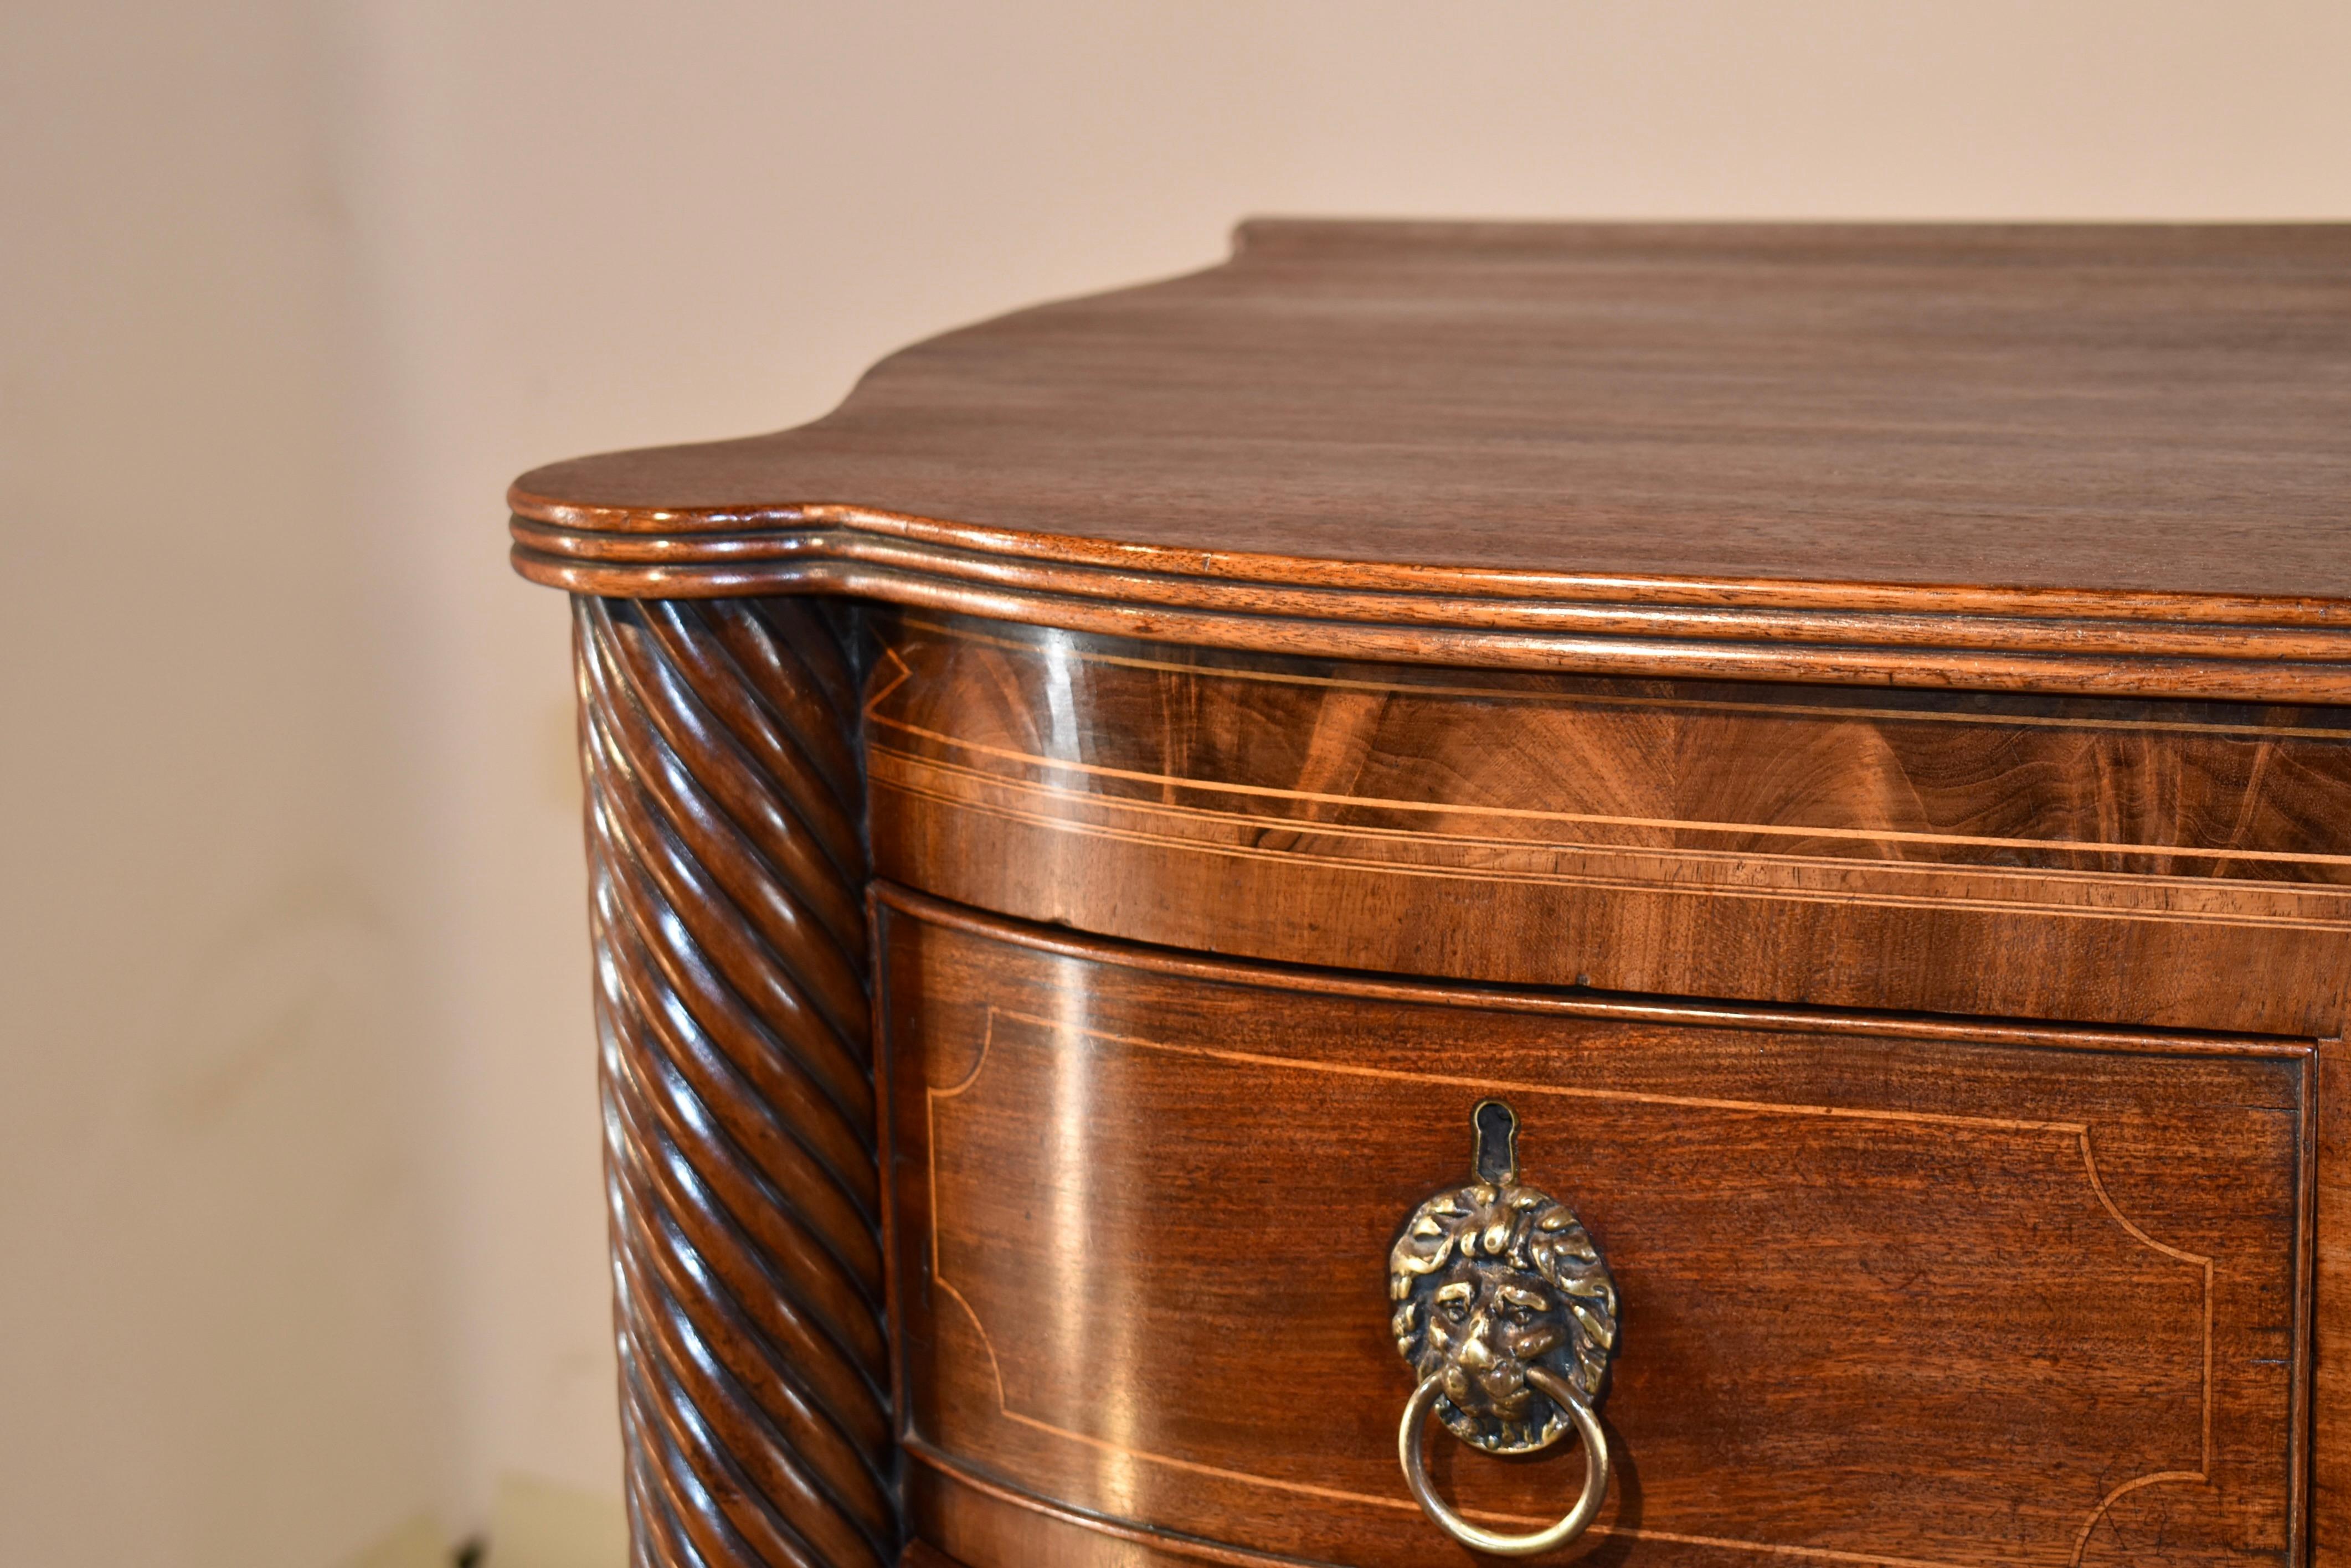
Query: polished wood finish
{"points": [[1847, 725], [2044, 458], [2331, 1374], [2051, 1281], [2172, 864], [738, 1101]]}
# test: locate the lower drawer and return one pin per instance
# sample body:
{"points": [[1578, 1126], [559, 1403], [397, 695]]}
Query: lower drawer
{"points": [[1889, 1291]]}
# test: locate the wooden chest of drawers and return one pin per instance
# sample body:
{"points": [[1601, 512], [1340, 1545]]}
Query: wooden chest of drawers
{"points": [[1714, 860]]}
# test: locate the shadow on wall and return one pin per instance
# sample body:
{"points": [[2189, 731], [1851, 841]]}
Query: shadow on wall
{"points": [[533, 1524]]}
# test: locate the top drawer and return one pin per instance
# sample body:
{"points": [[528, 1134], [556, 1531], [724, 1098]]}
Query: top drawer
{"points": [[2186, 865]]}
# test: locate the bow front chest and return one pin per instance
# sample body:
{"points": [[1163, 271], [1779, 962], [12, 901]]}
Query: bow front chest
{"points": [[1629, 894]]}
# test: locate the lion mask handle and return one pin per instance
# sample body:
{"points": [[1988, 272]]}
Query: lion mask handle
{"points": [[1505, 1312]]}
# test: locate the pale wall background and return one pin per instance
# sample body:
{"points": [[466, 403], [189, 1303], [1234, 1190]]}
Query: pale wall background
{"points": [[300, 1224]]}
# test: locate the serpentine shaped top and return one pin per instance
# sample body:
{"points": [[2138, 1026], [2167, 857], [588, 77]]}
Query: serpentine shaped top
{"points": [[2071, 457]]}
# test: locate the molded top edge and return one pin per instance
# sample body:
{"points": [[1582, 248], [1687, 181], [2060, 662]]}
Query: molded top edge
{"points": [[2130, 421]]}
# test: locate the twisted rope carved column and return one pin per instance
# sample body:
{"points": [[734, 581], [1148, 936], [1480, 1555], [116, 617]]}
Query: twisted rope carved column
{"points": [[727, 868]]}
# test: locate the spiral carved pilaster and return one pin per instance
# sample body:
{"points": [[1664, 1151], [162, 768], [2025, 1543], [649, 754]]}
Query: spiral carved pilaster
{"points": [[727, 868]]}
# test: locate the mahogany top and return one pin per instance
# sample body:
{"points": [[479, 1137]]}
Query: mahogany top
{"points": [[2126, 423]]}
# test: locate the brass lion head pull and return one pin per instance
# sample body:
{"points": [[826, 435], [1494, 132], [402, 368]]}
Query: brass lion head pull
{"points": [[1506, 1313]]}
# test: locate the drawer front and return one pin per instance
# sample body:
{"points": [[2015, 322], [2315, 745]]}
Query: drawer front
{"points": [[2147, 864], [1892, 1294]]}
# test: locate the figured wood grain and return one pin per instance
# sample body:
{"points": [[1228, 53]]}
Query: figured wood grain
{"points": [[2063, 458], [986, 1520], [2331, 1378], [1888, 1299], [2182, 865], [920, 1556], [1758, 618], [727, 873]]}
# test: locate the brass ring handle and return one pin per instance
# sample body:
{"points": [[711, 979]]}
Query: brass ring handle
{"points": [[1504, 1309], [1416, 1411]]}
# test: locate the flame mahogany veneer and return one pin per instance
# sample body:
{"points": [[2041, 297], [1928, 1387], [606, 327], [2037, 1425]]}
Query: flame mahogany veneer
{"points": [[1847, 729]]}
